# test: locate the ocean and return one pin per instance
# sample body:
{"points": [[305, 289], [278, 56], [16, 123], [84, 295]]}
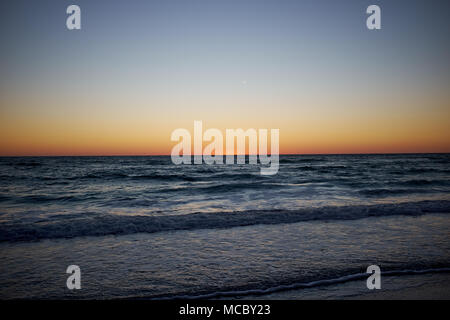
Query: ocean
{"points": [[140, 227]]}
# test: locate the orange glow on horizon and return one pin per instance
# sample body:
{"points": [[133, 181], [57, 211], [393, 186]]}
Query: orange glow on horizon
{"points": [[306, 128]]}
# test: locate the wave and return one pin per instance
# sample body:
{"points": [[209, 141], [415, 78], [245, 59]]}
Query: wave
{"points": [[103, 224], [151, 176], [235, 187], [39, 198], [376, 192], [301, 160], [300, 285], [162, 177], [28, 164]]}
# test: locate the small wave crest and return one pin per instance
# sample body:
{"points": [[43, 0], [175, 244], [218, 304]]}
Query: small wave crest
{"points": [[105, 224], [303, 285]]}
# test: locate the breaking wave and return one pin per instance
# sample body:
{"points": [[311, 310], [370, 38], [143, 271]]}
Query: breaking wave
{"points": [[107, 224]]}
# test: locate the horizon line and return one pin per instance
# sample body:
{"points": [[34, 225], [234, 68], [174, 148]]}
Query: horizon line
{"points": [[168, 155]]}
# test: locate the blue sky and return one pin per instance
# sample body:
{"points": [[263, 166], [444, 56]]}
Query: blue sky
{"points": [[271, 62]]}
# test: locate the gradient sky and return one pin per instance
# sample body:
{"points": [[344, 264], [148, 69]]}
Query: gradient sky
{"points": [[137, 70]]}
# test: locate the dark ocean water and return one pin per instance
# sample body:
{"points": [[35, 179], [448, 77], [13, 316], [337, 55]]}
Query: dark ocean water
{"points": [[322, 217]]}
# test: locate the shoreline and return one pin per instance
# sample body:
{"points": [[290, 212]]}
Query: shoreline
{"points": [[431, 286]]}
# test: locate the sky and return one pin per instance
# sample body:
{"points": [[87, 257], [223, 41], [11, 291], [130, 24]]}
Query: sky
{"points": [[139, 69]]}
